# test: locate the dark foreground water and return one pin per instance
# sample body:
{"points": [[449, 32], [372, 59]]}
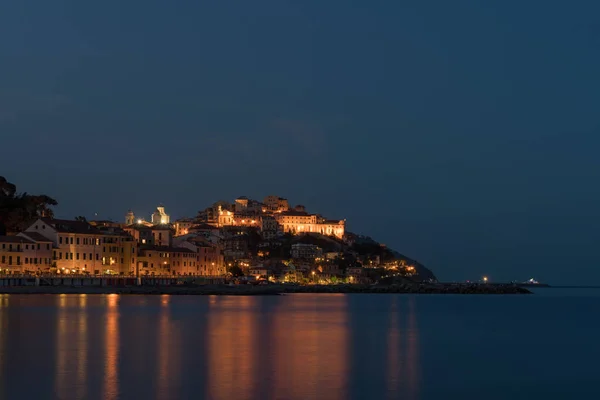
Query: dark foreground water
{"points": [[301, 346]]}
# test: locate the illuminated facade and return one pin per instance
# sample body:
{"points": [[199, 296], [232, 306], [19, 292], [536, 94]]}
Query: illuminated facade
{"points": [[160, 217], [182, 226], [275, 204], [301, 222], [25, 253], [79, 247], [209, 257], [165, 260]]}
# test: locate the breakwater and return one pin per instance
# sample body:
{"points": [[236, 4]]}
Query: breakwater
{"points": [[175, 286]]}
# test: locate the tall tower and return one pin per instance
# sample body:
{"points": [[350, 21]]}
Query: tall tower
{"points": [[130, 218]]}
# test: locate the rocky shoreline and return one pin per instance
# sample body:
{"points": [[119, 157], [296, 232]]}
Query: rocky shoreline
{"points": [[262, 290]]}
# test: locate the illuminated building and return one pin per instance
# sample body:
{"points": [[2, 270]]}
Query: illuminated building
{"points": [[275, 204], [130, 218], [302, 222], [165, 260], [182, 226], [80, 247], [209, 256], [25, 253], [160, 217]]}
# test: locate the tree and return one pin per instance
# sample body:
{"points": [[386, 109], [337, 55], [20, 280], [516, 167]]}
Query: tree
{"points": [[17, 210], [236, 271], [81, 219]]}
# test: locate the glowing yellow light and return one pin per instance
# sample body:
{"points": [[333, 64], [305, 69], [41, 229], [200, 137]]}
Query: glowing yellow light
{"points": [[139, 221], [485, 278]]}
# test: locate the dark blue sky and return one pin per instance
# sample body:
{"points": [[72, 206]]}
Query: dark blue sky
{"points": [[462, 133]]}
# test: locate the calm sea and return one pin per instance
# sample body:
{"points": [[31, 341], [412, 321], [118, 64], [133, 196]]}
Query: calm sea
{"points": [[301, 346]]}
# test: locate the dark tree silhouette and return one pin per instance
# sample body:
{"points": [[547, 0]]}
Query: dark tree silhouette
{"points": [[16, 210], [236, 271]]}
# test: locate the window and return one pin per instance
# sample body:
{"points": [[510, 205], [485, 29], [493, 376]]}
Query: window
{"points": [[60, 239], [18, 260], [77, 241], [84, 256], [90, 256], [10, 247], [38, 246], [122, 261], [35, 260], [3, 259], [97, 257], [47, 246], [43, 226], [60, 256], [71, 240], [26, 260], [9, 260]]}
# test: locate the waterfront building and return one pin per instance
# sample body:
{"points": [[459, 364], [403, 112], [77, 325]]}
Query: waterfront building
{"points": [[165, 260], [25, 254], [209, 256], [79, 247]]}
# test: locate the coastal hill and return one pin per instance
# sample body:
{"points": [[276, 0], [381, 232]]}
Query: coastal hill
{"points": [[249, 235], [358, 250]]}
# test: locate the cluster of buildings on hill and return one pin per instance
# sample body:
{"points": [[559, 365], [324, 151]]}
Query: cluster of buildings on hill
{"points": [[273, 216], [221, 236]]}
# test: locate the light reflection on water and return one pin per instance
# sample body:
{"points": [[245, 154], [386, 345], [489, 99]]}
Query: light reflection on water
{"points": [[301, 347], [165, 347]]}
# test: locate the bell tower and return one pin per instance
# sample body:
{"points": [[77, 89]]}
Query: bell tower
{"points": [[130, 218]]}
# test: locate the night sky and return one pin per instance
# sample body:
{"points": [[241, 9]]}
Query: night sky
{"points": [[461, 133]]}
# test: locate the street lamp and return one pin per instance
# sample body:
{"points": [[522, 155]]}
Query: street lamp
{"points": [[485, 279]]}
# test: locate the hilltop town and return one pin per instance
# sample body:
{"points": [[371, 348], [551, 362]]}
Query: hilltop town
{"points": [[246, 239]]}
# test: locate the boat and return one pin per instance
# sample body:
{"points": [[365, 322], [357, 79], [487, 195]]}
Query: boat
{"points": [[531, 283]]}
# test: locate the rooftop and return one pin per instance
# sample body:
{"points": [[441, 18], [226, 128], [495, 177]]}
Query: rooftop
{"points": [[36, 237], [14, 239], [167, 249], [296, 213], [69, 226], [203, 226]]}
